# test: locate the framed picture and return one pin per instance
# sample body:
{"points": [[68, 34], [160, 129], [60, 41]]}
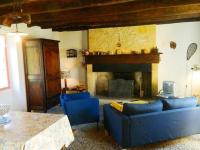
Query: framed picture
{"points": [[71, 53]]}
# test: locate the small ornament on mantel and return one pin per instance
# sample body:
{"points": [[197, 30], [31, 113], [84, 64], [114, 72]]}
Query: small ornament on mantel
{"points": [[154, 50], [118, 46], [143, 51], [85, 52]]}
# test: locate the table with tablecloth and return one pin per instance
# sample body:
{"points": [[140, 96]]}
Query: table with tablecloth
{"points": [[35, 131]]}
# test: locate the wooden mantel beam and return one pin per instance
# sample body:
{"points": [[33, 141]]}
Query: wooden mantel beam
{"points": [[125, 58]]}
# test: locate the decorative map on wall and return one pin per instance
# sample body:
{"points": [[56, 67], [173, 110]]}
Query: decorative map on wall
{"points": [[131, 38]]}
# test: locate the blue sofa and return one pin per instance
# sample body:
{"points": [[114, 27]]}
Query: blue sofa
{"points": [[140, 129], [80, 108]]}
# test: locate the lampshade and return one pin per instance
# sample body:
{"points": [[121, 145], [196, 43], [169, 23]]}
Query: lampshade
{"points": [[17, 33]]}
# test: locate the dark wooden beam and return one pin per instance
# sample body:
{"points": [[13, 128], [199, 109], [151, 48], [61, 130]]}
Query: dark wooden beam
{"points": [[117, 9], [163, 20], [4, 3], [73, 28], [51, 6], [86, 27], [153, 16], [84, 14]]}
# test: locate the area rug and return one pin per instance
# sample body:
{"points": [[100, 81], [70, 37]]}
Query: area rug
{"points": [[87, 137]]}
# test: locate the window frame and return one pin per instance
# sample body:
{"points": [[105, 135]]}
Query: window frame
{"points": [[6, 58]]}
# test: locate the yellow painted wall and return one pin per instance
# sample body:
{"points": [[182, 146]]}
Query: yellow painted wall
{"points": [[132, 38]]}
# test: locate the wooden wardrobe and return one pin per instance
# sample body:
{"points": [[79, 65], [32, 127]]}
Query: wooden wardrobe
{"points": [[42, 73]]}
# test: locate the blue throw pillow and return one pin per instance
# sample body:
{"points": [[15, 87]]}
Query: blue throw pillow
{"points": [[132, 109], [180, 103]]}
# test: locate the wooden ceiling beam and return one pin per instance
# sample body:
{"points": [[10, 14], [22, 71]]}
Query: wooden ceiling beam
{"points": [[117, 9], [51, 6], [74, 28], [47, 7], [85, 14], [173, 13], [122, 24]]}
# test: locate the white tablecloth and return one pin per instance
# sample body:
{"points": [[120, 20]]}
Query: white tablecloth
{"points": [[35, 131]]}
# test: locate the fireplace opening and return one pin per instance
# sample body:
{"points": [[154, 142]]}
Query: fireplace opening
{"points": [[123, 84], [123, 80]]}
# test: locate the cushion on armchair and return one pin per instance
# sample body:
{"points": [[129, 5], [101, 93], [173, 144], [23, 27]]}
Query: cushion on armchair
{"points": [[81, 95], [75, 96]]}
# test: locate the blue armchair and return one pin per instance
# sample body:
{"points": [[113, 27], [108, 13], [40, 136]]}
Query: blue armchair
{"points": [[80, 108]]}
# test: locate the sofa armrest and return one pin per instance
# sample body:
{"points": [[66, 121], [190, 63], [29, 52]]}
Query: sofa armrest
{"points": [[117, 124]]}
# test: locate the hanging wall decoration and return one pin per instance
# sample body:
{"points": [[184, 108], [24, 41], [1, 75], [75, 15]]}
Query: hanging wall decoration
{"points": [[172, 45], [71, 53], [191, 50]]}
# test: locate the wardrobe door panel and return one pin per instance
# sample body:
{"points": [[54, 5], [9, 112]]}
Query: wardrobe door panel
{"points": [[51, 60], [33, 62], [52, 71]]}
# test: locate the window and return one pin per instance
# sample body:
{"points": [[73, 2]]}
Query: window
{"points": [[3, 64]]}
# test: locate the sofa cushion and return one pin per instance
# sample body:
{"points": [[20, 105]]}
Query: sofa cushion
{"points": [[132, 109], [179, 103], [119, 105]]}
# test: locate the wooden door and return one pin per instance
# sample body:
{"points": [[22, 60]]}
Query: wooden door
{"points": [[52, 70], [33, 62]]}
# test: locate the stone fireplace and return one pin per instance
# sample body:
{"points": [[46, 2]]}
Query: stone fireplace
{"points": [[122, 79]]}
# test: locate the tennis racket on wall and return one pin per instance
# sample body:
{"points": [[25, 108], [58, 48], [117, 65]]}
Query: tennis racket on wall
{"points": [[192, 48]]}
